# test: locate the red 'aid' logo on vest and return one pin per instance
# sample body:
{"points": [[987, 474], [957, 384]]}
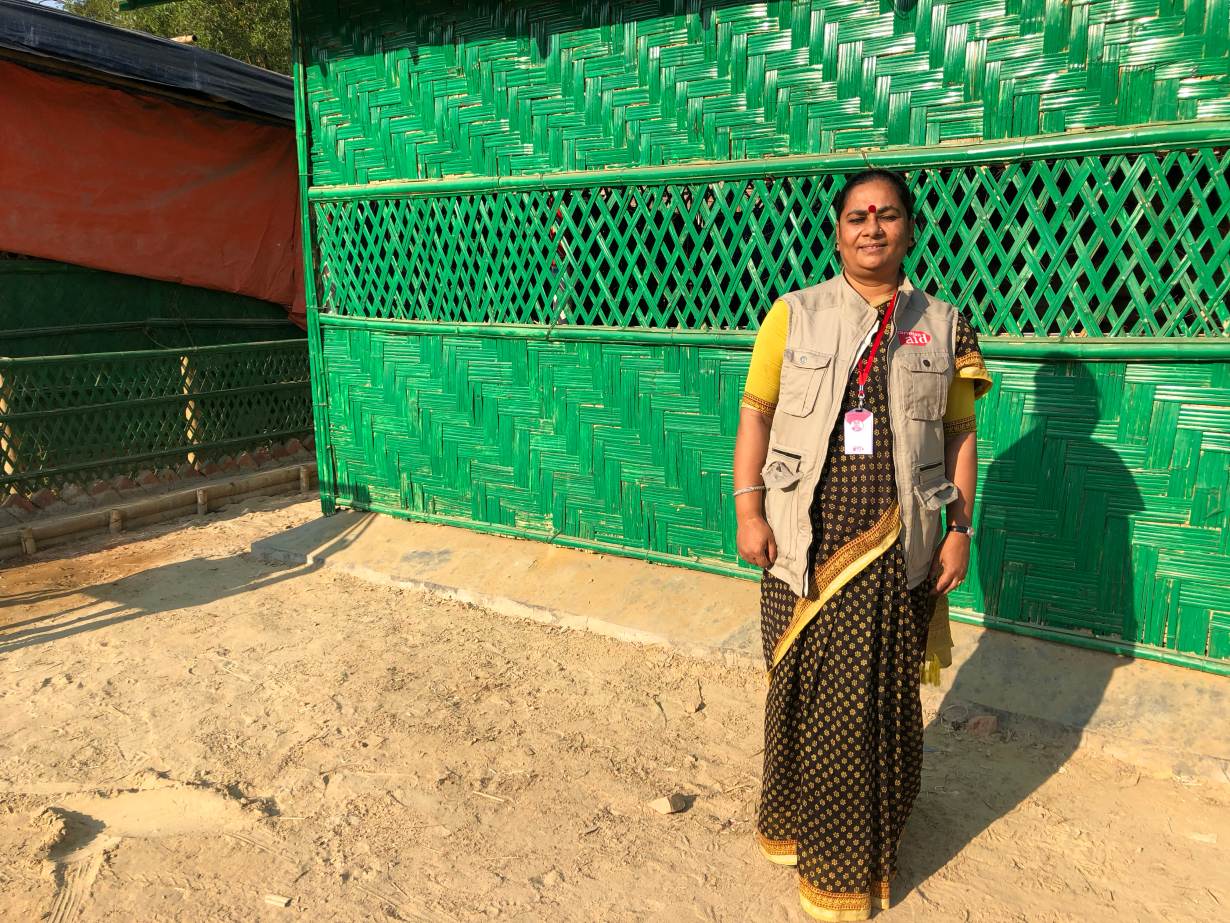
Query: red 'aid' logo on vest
{"points": [[913, 338]]}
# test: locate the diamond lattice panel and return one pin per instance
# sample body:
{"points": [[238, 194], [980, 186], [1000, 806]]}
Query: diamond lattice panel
{"points": [[1094, 246], [65, 419]]}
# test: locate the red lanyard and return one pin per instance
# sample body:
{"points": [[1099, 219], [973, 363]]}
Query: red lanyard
{"points": [[864, 371]]}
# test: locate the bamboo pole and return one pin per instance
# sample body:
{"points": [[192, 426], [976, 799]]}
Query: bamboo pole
{"points": [[1182, 136], [28, 539], [1116, 349]]}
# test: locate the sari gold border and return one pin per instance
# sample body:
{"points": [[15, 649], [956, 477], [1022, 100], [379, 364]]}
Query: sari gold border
{"points": [[779, 852], [837, 571], [881, 897], [841, 906]]}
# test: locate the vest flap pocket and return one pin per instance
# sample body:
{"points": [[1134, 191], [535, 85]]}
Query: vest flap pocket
{"points": [[782, 468], [805, 359], [937, 494], [803, 372]]}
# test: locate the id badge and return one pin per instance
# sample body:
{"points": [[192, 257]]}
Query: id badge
{"points": [[860, 432]]}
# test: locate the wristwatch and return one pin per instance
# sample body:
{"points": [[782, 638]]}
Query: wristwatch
{"points": [[964, 530]]}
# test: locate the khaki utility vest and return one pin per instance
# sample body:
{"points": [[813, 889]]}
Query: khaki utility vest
{"points": [[830, 325]]}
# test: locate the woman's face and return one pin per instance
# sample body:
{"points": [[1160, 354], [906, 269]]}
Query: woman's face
{"points": [[873, 232]]}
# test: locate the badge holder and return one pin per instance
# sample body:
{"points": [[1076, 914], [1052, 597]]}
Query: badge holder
{"points": [[860, 431]]}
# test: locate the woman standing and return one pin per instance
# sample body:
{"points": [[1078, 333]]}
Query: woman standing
{"points": [[856, 431]]}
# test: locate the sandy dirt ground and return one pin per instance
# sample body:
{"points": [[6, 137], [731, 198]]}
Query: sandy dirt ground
{"points": [[187, 733]]}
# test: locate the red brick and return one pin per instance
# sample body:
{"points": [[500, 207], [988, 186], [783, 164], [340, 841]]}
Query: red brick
{"points": [[73, 493], [18, 503], [982, 725], [184, 471], [44, 498]]}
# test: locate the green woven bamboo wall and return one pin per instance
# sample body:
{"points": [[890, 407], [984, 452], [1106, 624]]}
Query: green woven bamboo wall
{"points": [[626, 444], [706, 143], [401, 90], [1103, 501]]}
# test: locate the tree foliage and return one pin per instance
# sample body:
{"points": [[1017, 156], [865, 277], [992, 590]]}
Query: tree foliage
{"points": [[254, 31]]}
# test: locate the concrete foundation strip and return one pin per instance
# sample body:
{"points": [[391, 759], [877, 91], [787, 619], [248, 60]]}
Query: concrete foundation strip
{"points": [[137, 514]]}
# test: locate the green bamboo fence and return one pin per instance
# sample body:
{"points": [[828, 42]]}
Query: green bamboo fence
{"points": [[71, 419]]}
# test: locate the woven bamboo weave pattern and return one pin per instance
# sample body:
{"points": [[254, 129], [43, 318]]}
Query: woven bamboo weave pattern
{"points": [[403, 90], [1096, 246], [73, 419], [1102, 501], [629, 445], [624, 447]]}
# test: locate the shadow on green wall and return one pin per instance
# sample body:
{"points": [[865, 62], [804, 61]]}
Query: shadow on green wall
{"points": [[1058, 503]]}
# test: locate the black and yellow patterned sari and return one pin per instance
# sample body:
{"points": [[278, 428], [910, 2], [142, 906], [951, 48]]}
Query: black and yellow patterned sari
{"points": [[843, 720]]}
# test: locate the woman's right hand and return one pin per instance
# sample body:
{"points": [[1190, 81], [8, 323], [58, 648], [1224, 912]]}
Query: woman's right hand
{"points": [[756, 543]]}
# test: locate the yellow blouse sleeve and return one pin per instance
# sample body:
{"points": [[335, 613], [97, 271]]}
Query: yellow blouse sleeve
{"points": [[969, 359], [764, 375], [959, 417]]}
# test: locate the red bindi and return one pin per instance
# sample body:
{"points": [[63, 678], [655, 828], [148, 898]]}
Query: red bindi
{"points": [[871, 209]]}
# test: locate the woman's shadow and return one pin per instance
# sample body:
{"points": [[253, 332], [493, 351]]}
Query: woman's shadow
{"points": [[1054, 548]]}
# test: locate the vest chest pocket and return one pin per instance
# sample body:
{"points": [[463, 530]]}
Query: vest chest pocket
{"points": [[803, 372], [926, 377]]}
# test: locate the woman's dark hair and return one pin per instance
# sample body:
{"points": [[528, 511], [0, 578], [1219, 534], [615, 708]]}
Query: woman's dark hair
{"points": [[896, 180]]}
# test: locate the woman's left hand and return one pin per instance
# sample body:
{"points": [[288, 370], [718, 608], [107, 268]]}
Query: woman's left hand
{"points": [[951, 563]]}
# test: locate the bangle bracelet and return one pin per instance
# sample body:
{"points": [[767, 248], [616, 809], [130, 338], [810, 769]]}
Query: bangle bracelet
{"points": [[748, 490]]}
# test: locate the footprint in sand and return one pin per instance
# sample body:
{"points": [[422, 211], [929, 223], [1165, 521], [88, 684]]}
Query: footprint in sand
{"points": [[83, 827]]}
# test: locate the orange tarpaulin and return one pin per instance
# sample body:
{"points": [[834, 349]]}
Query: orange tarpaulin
{"points": [[137, 184]]}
